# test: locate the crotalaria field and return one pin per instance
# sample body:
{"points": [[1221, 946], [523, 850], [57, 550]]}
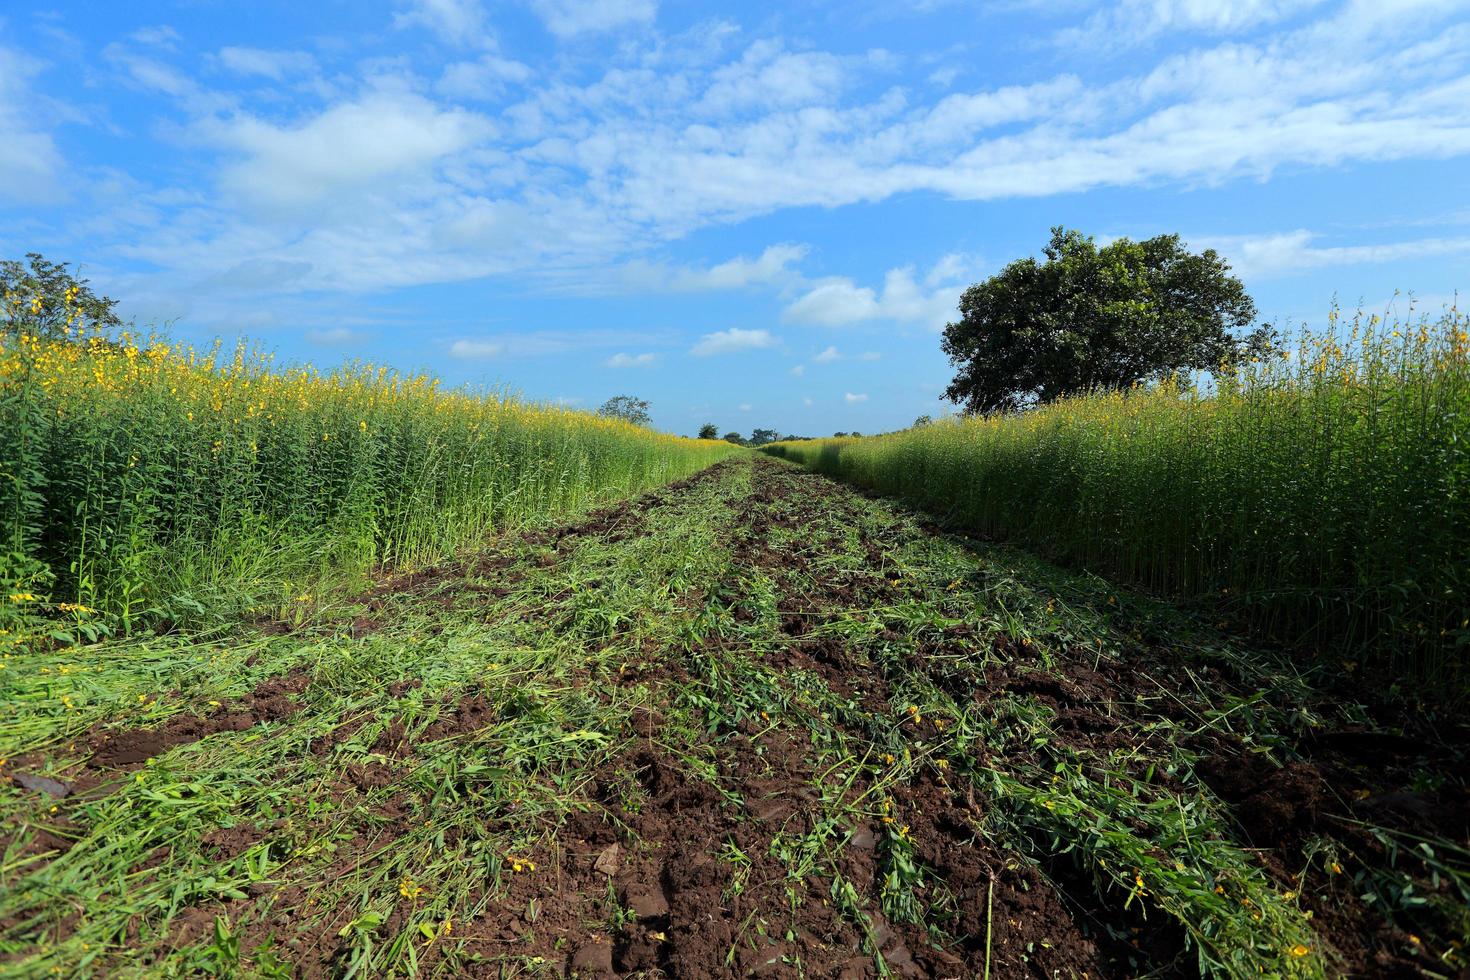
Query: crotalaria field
{"points": [[148, 481], [347, 675], [1318, 495]]}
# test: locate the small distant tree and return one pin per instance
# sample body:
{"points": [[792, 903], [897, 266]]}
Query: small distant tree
{"points": [[922, 421], [761, 437], [1090, 318], [839, 435], [709, 431], [627, 408], [855, 433], [43, 299], [734, 437]]}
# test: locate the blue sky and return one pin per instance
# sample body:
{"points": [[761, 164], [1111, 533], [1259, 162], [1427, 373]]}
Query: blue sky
{"points": [[755, 214]]}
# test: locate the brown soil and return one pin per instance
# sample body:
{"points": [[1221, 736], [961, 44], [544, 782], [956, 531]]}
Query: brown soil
{"points": [[272, 700], [657, 872]]}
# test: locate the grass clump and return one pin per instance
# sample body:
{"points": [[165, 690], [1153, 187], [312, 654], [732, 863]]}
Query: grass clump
{"points": [[142, 481], [1318, 495]]}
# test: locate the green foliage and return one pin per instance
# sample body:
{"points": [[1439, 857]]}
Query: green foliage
{"points": [[144, 483], [1321, 496], [1090, 319], [42, 299], [561, 649], [762, 437], [627, 408], [735, 438], [709, 431]]}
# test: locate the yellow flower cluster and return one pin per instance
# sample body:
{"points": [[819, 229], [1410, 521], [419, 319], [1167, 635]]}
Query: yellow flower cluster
{"points": [[151, 441]]}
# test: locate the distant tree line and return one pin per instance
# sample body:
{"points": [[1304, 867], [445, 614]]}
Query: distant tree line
{"points": [[757, 437]]}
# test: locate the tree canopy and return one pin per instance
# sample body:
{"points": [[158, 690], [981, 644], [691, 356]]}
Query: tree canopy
{"points": [[1090, 318], [709, 431], [627, 408], [43, 299], [761, 437]]}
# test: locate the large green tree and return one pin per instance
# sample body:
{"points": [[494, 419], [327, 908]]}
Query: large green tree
{"points": [[709, 431], [1090, 318], [761, 437], [43, 299], [627, 408]]}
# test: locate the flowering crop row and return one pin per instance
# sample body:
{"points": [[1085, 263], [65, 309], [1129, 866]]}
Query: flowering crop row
{"points": [[1322, 494], [144, 480]]}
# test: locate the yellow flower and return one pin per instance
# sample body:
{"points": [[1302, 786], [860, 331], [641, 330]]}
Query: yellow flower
{"points": [[408, 889]]}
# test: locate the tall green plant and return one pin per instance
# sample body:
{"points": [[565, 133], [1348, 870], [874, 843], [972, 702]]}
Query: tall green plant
{"points": [[151, 482], [1321, 494]]}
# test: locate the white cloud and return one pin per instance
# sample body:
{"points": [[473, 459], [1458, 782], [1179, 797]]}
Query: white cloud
{"points": [[870, 355], [732, 341], [807, 401], [852, 399], [687, 132], [745, 407], [349, 147], [474, 350], [146, 72], [1265, 256], [958, 120], [334, 336], [1133, 21], [944, 77], [483, 79], [828, 356], [160, 36], [954, 267], [838, 301], [460, 22], [566, 18], [833, 302], [767, 77], [631, 360], [798, 371], [276, 65], [772, 266], [29, 160]]}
